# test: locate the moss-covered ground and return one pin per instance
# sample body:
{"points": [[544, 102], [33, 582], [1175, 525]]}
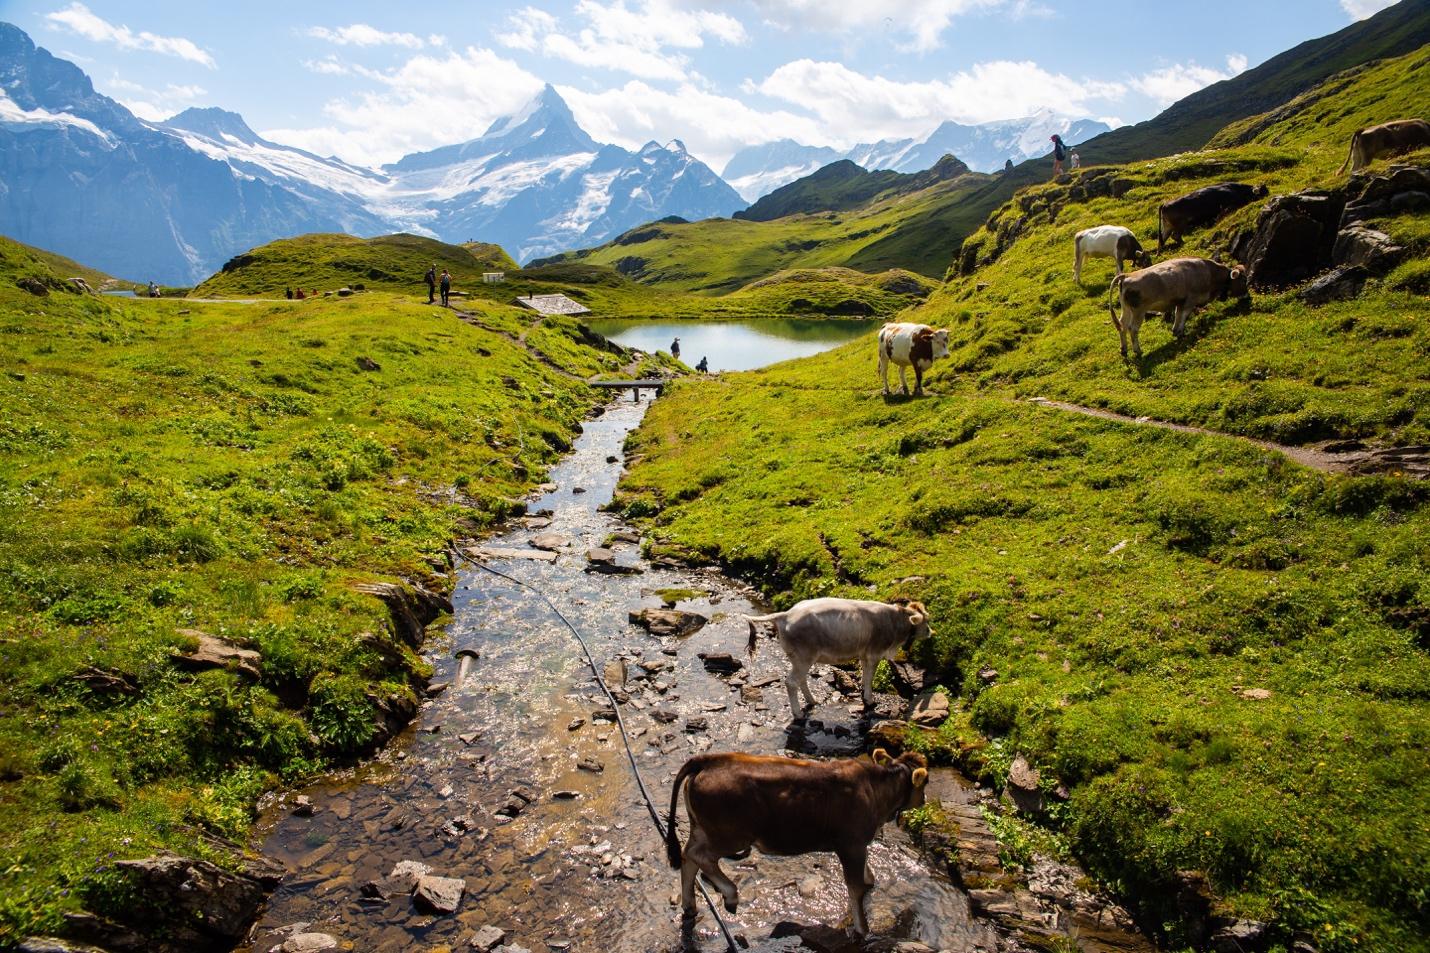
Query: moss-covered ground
{"points": [[235, 469], [1220, 653]]}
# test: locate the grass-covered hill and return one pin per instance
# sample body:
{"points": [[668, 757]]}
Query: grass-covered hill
{"points": [[843, 185], [236, 469], [19, 261], [1191, 122], [396, 263], [1221, 654], [917, 231], [1282, 369], [328, 261]]}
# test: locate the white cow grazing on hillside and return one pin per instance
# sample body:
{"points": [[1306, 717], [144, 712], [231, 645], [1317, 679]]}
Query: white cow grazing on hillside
{"points": [[837, 630], [910, 345], [1107, 241]]}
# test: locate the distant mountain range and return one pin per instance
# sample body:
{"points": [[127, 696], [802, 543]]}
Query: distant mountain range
{"points": [[172, 201], [759, 170], [83, 176]]}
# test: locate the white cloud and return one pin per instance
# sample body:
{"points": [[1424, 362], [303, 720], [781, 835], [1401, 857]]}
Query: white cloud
{"points": [[154, 105], [360, 34], [877, 107], [713, 127], [1360, 9], [78, 18], [922, 21], [327, 66], [1171, 83], [429, 101], [624, 39]]}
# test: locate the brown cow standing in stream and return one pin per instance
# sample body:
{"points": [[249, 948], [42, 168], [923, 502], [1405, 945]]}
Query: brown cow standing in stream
{"points": [[1388, 138], [788, 806]]}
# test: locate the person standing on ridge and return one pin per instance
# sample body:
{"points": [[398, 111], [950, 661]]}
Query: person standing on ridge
{"points": [[703, 367], [1060, 153], [431, 279], [446, 287], [675, 349]]}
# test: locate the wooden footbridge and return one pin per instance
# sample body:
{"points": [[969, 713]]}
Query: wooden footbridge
{"points": [[635, 386]]}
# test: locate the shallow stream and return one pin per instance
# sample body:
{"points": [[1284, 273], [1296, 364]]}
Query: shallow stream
{"points": [[580, 867]]}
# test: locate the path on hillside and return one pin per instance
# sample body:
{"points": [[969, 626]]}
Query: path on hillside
{"points": [[1336, 456], [519, 340]]}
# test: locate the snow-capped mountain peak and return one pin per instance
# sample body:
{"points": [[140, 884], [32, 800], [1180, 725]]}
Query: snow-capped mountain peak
{"points": [[212, 123]]}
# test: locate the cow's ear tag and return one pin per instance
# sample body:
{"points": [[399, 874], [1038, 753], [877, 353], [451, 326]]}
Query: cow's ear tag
{"points": [[920, 777], [881, 757]]}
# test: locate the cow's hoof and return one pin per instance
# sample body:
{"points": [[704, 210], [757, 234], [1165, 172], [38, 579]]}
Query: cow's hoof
{"points": [[730, 906]]}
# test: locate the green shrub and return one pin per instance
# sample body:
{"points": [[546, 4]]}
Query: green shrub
{"points": [[341, 715]]}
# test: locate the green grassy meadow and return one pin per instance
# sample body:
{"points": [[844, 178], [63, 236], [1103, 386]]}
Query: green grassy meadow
{"points": [[169, 465], [1222, 654]]}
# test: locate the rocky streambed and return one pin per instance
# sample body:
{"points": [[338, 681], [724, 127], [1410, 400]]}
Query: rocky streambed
{"points": [[506, 816]]}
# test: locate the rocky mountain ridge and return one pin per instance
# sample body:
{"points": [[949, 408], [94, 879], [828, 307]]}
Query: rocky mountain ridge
{"points": [[171, 201]]}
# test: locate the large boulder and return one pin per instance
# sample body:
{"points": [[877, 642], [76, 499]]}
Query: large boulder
{"points": [[1368, 248], [412, 608], [667, 622], [1340, 284], [1293, 238], [1405, 189], [193, 904], [214, 652]]}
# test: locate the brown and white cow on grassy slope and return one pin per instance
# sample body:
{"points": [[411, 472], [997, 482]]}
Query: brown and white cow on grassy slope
{"points": [[837, 630], [1178, 287], [910, 345], [1388, 138], [788, 806]]}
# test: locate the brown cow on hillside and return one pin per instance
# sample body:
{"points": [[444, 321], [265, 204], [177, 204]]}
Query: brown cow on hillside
{"points": [[1176, 287], [788, 806], [1388, 138], [1201, 208]]}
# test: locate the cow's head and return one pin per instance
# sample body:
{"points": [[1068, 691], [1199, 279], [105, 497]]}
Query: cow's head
{"points": [[940, 343], [1236, 286], [1261, 191], [918, 619], [917, 767], [1141, 258]]}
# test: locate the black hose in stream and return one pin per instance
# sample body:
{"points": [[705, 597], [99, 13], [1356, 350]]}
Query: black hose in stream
{"points": [[625, 738]]}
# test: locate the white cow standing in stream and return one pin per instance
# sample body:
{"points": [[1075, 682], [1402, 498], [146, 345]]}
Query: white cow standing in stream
{"points": [[910, 345]]}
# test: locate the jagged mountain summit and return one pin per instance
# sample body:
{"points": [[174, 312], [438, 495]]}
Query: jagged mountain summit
{"points": [[537, 184], [172, 201], [759, 170]]}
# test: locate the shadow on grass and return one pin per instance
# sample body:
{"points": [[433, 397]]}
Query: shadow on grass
{"points": [[1198, 327]]}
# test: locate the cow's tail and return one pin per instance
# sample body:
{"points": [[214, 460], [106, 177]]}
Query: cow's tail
{"points": [[1161, 228], [1113, 291], [774, 617], [672, 832], [1355, 138]]}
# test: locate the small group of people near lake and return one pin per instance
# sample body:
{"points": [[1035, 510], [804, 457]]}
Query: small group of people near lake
{"points": [[434, 281]]}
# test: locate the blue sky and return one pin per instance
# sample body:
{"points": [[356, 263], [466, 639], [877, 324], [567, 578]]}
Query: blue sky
{"points": [[371, 82]]}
